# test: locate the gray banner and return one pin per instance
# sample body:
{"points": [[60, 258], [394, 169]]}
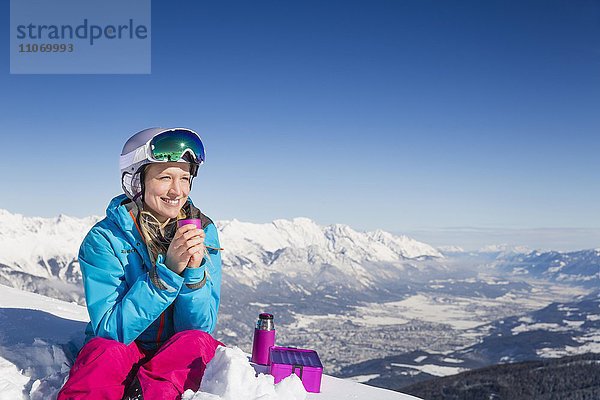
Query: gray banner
{"points": [[80, 37]]}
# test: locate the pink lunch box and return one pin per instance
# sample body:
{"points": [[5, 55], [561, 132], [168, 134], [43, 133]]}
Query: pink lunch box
{"points": [[304, 363]]}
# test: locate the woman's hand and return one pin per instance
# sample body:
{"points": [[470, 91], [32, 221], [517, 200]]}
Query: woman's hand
{"points": [[186, 249]]}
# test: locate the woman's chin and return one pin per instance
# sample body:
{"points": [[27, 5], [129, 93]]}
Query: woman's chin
{"points": [[164, 214], [163, 211], [169, 215]]}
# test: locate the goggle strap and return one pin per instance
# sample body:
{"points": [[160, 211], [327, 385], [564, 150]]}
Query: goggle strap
{"points": [[138, 195]]}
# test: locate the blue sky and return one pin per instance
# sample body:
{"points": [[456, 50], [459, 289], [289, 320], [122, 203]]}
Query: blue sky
{"points": [[410, 116]]}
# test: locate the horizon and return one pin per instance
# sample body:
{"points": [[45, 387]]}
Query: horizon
{"points": [[469, 239], [402, 116]]}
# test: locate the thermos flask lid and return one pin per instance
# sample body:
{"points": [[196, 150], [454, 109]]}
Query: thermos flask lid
{"points": [[264, 339], [265, 322]]}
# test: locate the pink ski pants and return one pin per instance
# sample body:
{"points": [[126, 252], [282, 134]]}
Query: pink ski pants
{"points": [[105, 367]]}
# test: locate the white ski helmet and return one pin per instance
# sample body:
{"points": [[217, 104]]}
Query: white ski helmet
{"points": [[155, 145]]}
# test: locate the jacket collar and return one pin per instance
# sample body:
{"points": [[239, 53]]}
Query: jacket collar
{"points": [[118, 212]]}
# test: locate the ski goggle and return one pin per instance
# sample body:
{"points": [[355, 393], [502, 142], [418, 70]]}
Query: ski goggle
{"points": [[172, 145]]}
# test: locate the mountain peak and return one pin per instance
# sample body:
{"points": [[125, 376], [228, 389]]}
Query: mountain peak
{"points": [[279, 246]]}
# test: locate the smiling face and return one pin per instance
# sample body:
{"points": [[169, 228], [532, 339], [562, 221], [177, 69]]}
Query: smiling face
{"points": [[167, 186]]}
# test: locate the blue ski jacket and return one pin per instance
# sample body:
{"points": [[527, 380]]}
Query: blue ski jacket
{"points": [[128, 299]]}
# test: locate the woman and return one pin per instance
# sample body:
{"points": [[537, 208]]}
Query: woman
{"points": [[152, 290]]}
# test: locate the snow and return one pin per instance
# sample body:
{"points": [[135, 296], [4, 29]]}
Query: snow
{"points": [[404, 245], [298, 247], [363, 378], [590, 344], [432, 369], [566, 309], [551, 327], [251, 239], [228, 332], [47, 248], [33, 332], [341, 389], [15, 298], [452, 360], [424, 307], [259, 305], [61, 237], [39, 335], [573, 324], [229, 376], [575, 278], [459, 312], [11, 381], [380, 316], [504, 248], [527, 320], [26, 241], [520, 271], [451, 249]]}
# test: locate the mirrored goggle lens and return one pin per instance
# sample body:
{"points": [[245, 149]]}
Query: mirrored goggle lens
{"points": [[172, 145]]}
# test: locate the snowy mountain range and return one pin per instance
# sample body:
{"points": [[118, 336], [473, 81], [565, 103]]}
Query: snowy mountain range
{"points": [[353, 296], [40, 254], [578, 267]]}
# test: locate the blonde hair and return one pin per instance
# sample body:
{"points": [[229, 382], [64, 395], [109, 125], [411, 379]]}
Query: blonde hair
{"points": [[157, 235]]}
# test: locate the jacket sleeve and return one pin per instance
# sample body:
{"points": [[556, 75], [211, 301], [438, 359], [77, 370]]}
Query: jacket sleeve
{"points": [[117, 311], [197, 304]]}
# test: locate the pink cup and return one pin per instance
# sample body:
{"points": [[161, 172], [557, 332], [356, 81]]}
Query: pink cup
{"points": [[193, 221]]}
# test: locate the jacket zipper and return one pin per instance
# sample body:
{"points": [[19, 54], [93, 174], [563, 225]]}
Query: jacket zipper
{"points": [[160, 327]]}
